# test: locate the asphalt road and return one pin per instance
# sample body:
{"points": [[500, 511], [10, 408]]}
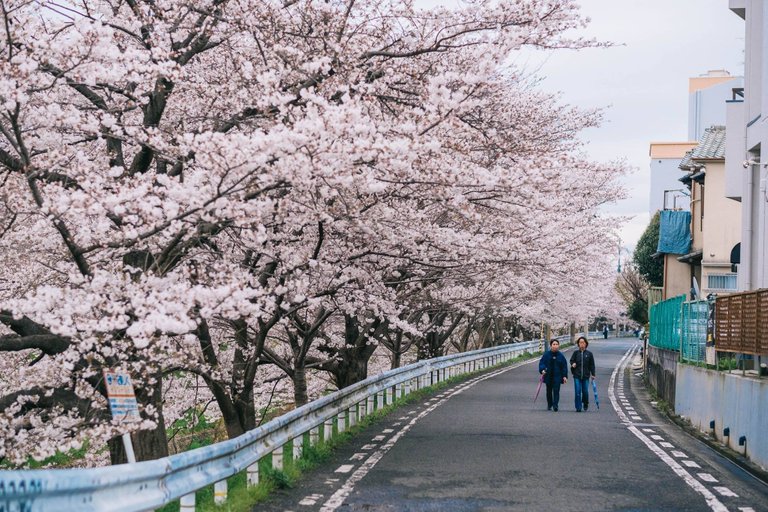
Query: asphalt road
{"points": [[485, 446]]}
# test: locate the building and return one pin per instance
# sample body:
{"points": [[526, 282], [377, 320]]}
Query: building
{"points": [[747, 128], [666, 191], [707, 95], [715, 220]]}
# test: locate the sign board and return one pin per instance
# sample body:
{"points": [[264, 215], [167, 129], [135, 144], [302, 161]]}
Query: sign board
{"points": [[122, 399]]}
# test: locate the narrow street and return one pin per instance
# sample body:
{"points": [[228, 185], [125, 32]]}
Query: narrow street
{"points": [[484, 445]]}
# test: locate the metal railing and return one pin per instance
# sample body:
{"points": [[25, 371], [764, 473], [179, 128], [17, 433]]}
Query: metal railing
{"points": [[152, 484]]}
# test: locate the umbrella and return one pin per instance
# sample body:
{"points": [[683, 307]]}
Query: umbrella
{"points": [[538, 388], [594, 388]]}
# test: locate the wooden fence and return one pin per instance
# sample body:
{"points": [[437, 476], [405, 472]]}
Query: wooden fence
{"points": [[741, 322]]}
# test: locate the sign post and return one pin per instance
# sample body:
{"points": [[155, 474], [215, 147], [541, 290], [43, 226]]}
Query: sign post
{"points": [[123, 404]]}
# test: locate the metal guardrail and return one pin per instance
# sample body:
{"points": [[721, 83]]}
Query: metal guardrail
{"points": [[148, 485]]}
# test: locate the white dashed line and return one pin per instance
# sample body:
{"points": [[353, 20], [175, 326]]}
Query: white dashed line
{"points": [[368, 446], [310, 500], [724, 491], [358, 456], [379, 438], [666, 445], [679, 454], [712, 501], [657, 437], [707, 477], [387, 431], [690, 464], [746, 509], [648, 430], [344, 468]]}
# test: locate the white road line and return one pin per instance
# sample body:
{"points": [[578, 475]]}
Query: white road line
{"points": [[726, 492], [368, 446], [679, 454], [648, 430], [378, 438], [690, 463], [310, 500], [714, 504], [358, 456], [657, 437], [666, 445], [746, 509], [707, 477], [387, 431], [337, 499], [344, 468]]}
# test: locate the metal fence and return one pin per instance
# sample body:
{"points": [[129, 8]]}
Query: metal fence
{"points": [[665, 323], [152, 484], [741, 322], [694, 331]]}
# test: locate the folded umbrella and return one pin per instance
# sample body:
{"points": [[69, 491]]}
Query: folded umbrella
{"points": [[538, 388], [594, 388]]}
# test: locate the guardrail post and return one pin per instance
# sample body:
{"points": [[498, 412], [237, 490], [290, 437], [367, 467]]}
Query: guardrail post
{"points": [[363, 408], [353, 416], [407, 387], [187, 503], [443, 371], [370, 406], [252, 474], [314, 436], [328, 430], [220, 492], [379, 400], [398, 391], [277, 458], [342, 421], [390, 395], [297, 447]]}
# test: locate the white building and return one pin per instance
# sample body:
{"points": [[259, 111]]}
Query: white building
{"points": [[747, 128], [707, 96]]}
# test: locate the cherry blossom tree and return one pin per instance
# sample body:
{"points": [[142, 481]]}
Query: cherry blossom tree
{"points": [[228, 191]]}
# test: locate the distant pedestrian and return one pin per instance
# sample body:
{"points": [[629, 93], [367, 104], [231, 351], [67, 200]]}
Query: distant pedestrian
{"points": [[554, 367], [583, 370], [605, 331]]}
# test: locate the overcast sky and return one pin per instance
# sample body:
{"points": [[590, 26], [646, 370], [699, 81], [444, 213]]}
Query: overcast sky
{"points": [[644, 82]]}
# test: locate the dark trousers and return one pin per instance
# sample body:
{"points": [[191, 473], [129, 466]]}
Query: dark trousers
{"points": [[553, 393]]}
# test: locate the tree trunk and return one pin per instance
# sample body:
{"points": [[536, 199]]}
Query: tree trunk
{"points": [[353, 366], [299, 378]]}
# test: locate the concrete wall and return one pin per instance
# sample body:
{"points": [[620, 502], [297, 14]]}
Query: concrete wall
{"points": [[662, 368], [740, 403]]}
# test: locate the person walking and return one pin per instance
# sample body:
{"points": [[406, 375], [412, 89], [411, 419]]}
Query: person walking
{"points": [[583, 370], [554, 367], [605, 331]]}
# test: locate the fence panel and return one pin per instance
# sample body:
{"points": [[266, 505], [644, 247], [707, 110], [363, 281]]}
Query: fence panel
{"points": [[665, 323], [741, 322], [694, 331]]}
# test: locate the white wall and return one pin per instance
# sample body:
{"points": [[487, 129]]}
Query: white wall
{"points": [[664, 176], [740, 403], [707, 107]]}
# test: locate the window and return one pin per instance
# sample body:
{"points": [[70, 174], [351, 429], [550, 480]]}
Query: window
{"points": [[721, 281]]}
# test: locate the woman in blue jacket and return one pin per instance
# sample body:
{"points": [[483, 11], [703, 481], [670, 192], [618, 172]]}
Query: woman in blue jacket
{"points": [[554, 367]]}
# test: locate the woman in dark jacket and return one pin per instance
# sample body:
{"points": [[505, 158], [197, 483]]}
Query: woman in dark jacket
{"points": [[583, 369], [554, 367]]}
